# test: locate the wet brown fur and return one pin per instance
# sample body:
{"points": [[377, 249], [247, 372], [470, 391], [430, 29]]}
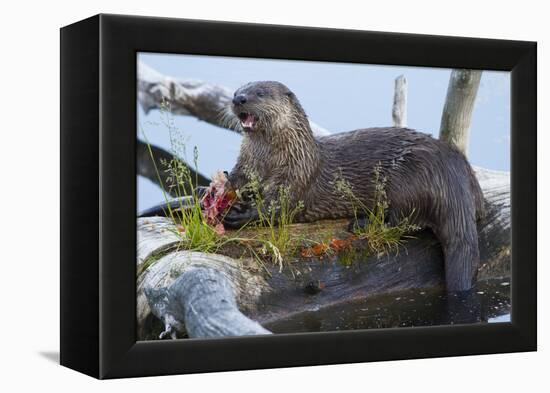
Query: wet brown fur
{"points": [[424, 175]]}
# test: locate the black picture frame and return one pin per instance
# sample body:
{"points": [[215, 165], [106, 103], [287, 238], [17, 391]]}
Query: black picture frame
{"points": [[98, 195]]}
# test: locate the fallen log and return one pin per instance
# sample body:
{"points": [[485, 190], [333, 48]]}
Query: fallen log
{"points": [[182, 293], [171, 287]]}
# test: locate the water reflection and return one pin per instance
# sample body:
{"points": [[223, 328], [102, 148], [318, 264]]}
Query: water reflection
{"points": [[488, 302]]}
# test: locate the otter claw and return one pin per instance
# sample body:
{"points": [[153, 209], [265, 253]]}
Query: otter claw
{"points": [[239, 215]]}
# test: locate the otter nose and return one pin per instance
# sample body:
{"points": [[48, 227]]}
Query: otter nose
{"points": [[239, 99]]}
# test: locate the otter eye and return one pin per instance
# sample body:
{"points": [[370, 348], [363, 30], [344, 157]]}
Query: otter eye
{"points": [[260, 94]]}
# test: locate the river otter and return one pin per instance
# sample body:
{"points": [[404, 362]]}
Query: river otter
{"points": [[423, 174]]}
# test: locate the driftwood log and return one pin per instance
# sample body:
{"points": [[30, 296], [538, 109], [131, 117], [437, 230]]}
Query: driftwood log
{"points": [[203, 295], [187, 97]]}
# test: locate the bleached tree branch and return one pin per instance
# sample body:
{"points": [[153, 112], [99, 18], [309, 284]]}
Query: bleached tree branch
{"points": [[459, 107], [187, 97], [399, 108]]}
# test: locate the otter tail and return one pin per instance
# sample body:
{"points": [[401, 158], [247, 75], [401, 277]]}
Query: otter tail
{"points": [[458, 234], [460, 246]]}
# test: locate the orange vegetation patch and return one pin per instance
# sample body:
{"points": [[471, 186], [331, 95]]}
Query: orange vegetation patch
{"points": [[322, 248]]}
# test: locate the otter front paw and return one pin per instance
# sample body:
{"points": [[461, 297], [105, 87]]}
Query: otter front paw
{"points": [[239, 215]]}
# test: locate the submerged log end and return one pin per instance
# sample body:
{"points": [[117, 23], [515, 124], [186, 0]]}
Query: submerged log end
{"points": [[210, 307], [202, 303]]}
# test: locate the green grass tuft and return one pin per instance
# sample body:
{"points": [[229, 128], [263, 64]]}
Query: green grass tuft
{"points": [[382, 238], [277, 217]]}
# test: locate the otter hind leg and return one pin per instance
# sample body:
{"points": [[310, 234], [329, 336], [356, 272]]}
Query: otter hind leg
{"points": [[461, 252], [362, 221]]}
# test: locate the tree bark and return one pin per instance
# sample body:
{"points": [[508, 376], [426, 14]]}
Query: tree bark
{"points": [[459, 106]]}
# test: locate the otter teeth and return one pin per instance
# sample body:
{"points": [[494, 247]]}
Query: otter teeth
{"points": [[248, 121]]}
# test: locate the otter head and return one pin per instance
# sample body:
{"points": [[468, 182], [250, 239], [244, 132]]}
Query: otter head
{"points": [[264, 107]]}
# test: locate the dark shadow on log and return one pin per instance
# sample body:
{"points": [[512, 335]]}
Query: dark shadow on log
{"points": [[415, 307], [419, 265]]}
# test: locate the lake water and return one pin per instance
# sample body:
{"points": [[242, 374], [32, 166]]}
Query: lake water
{"points": [[488, 303]]}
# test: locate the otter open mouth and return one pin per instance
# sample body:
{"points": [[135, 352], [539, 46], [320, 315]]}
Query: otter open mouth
{"points": [[248, 121]]}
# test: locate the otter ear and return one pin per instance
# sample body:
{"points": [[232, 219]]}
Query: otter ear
{"points": [[290, 94]]}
